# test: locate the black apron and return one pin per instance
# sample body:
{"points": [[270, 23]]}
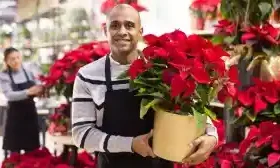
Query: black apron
{"points": [[22, 129], [121, 117]]}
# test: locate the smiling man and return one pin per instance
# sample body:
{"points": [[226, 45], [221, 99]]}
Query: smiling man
{"points": [[105, 114]]}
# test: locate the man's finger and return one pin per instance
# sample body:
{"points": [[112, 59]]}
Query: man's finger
{"points": [[150, 152], [196, 142], [199, 155], [150, 134]]}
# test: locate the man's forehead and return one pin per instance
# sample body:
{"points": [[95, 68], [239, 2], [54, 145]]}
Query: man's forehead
{"points": [[122, 14]]}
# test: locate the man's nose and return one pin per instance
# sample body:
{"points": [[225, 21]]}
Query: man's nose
{"points": [[123, 30]]}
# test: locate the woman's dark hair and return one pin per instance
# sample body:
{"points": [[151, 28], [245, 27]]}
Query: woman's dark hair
{"points": [[8, 51]]}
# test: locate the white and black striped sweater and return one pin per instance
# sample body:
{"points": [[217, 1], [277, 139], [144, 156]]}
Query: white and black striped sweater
{"points": [[87, 109]]}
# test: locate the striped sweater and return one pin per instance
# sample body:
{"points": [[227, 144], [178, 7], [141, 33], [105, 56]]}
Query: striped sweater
{"points": [[87, 109]]}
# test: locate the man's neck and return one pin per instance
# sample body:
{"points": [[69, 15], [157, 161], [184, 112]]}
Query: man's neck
{"points": [[125, 58]]}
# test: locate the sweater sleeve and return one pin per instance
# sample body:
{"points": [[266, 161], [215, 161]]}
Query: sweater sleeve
{"points": [[11, 95], [211, 130], [84, 130]]}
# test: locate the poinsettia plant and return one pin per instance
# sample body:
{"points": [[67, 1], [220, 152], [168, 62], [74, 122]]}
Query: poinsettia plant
{"points": [[246, 32], [203, 8], [59, 121], [178, 73], [257, 103], [63, 72], [261, 148], [42, 158], [109, 4]]}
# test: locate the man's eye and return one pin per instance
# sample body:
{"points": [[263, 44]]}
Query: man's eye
{"points": [[130, 25], [114, 26]]}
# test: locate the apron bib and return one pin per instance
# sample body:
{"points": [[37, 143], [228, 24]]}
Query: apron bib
{"points": [[22, 129], [121, 117]]}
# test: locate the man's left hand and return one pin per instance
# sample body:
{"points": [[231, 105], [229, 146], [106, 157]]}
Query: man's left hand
{"points": [[204, 145]]}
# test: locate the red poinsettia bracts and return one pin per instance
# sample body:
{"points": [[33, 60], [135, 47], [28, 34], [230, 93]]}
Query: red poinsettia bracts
{"points": [[205, 5], [183, 67], [42, 158], [64, 71], [265, 137], [109, 4], [265, 32], [225, 27]]}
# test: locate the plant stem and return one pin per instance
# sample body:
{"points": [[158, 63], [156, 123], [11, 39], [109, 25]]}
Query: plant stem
{"points": [[247, 14]]}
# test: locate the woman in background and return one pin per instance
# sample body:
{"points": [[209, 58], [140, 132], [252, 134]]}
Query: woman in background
{"points": [[20, 87]]}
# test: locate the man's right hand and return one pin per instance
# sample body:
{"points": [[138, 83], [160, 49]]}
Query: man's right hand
{"points": [[140, 145]]}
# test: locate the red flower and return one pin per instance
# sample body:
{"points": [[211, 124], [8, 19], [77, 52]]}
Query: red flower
{"points": [[265, 33], [179, 85], [137, 67], [225, 27], [251, 97], [276, 140], [205, 5], [167, 76], [109, 4], [273, 159]]}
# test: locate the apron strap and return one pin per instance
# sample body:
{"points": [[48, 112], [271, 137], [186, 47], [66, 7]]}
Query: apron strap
{"points": [[25, 73], [108, 74], [11, 76]]}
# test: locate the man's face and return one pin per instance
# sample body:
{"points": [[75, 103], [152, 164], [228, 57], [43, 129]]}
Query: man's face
{"points": [[123, 30]]}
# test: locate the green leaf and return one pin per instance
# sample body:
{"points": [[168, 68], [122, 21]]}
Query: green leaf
{"points": [[210, 113], [229, 39], [217, 39], [265, 113], [155, 94], [143, 109], [160, 65], [213, 93], [146, 105], [250, 116], [200, 118], [277, 108], [153, 79], [265, 9], [201, 90]]}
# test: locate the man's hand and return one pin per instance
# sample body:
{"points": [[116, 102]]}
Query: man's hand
{"points": [[205, 145], [140, 145]]}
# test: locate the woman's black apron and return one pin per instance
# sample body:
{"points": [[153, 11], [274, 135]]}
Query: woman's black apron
{"points": [[22, 128], [121, 117]]}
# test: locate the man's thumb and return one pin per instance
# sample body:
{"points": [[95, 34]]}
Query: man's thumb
{"points": [[150, 134]]}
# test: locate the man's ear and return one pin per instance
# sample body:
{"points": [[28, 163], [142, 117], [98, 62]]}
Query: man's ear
{"points": [[141, 31]]}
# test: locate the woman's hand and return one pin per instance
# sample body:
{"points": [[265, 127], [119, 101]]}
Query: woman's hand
{"points": [[35, 90]]}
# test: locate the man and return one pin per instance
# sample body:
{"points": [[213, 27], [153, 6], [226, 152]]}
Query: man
{"points": [[105, 114]]}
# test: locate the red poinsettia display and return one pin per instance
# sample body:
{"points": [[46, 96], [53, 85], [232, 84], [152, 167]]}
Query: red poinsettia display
{"points": [[63, 72], [42, 158], [259, 102], [179, 73], [205, 5], [261, 147], [109, 4], [59, 121]]}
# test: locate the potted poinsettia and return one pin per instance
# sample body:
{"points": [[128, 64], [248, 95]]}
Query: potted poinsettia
{"points": [[59, 121], [204, 9], [179, 76], [109, 4]]}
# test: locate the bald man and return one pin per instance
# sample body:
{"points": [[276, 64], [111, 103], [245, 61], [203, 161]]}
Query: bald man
{"points": [[105, 114]]}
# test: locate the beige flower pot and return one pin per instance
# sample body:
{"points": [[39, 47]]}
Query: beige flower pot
{"points": [[173, 133]]}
